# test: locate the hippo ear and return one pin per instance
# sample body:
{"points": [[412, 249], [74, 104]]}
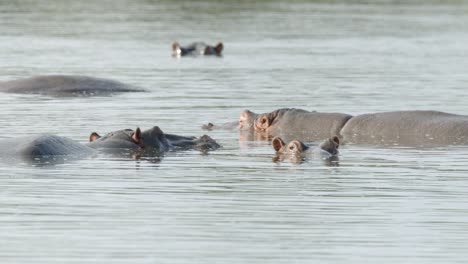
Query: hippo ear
{"points": [[175, 46], [219, 48], [136, 136], [277, 143], [336, 140], [263, 122], [300, 147], [94, 136]]}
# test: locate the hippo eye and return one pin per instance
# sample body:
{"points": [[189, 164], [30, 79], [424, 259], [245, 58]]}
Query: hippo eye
{"points": [[291, 147], [264, 120]]}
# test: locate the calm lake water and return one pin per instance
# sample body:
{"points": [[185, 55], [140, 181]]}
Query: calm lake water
{"points": [[235, 205]]}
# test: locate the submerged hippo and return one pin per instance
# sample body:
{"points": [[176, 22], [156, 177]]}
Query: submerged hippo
{"points": [[296, 150], [196, 49], [149, 142], [152, 139], [66, 85]]}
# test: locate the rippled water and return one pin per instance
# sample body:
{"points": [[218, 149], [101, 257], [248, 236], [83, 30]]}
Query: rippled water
{"points": [[235, 205]]}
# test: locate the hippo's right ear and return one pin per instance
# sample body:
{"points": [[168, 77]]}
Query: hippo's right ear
{"points": [[277, 143], [219, 48], [94, 136], [136, 136]]}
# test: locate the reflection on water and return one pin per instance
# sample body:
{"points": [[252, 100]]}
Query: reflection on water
{"points": [[234, 205]]}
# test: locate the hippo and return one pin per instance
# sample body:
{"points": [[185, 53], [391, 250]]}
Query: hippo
{"points": [[124, 142], [288, 123], [296, 150], [409, 128], [196, 49], [405, 128], [66, 86], [153, 139]]}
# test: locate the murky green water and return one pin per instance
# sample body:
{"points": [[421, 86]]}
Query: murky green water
{"points": [[234, 205]]}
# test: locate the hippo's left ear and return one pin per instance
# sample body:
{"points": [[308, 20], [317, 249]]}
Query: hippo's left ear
{"points": [[136, 136], [175, 46], [219, 48], [277, 143], [262, 122], [94, 136]]}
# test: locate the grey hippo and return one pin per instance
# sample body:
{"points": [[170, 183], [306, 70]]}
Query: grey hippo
{"points": [[66, 86], [125, 142], [196, 49], [406, 128]]}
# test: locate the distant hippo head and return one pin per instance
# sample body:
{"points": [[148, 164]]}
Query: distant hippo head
{"points": [[196, 48], [128, 139]]}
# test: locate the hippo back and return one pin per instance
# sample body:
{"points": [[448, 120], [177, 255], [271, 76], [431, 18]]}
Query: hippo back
{"points": [[66, 85], [407, 128], [45, 145], [302, 124]]}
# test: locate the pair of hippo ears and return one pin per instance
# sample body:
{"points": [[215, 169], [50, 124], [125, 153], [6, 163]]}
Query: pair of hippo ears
{"points": [[278, 143], [136, 136], [295, 145]]}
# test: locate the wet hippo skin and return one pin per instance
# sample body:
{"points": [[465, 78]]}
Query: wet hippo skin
{"points": [[407, 128], [66, 86], [297, 123]]}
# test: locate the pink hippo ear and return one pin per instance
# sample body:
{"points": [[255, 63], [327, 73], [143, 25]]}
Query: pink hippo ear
{"points": [[336, 140], [136, 136], [277, 143], [175, 46], [262, 123], [219, 48], [94, 136]]}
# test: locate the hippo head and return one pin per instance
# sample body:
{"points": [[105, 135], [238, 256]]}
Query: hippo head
{"points": [[128, 139], [293, 147], [197, 48], [330, 145]]}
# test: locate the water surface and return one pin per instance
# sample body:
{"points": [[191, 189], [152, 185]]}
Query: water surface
{"points": [[235, 205]]}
